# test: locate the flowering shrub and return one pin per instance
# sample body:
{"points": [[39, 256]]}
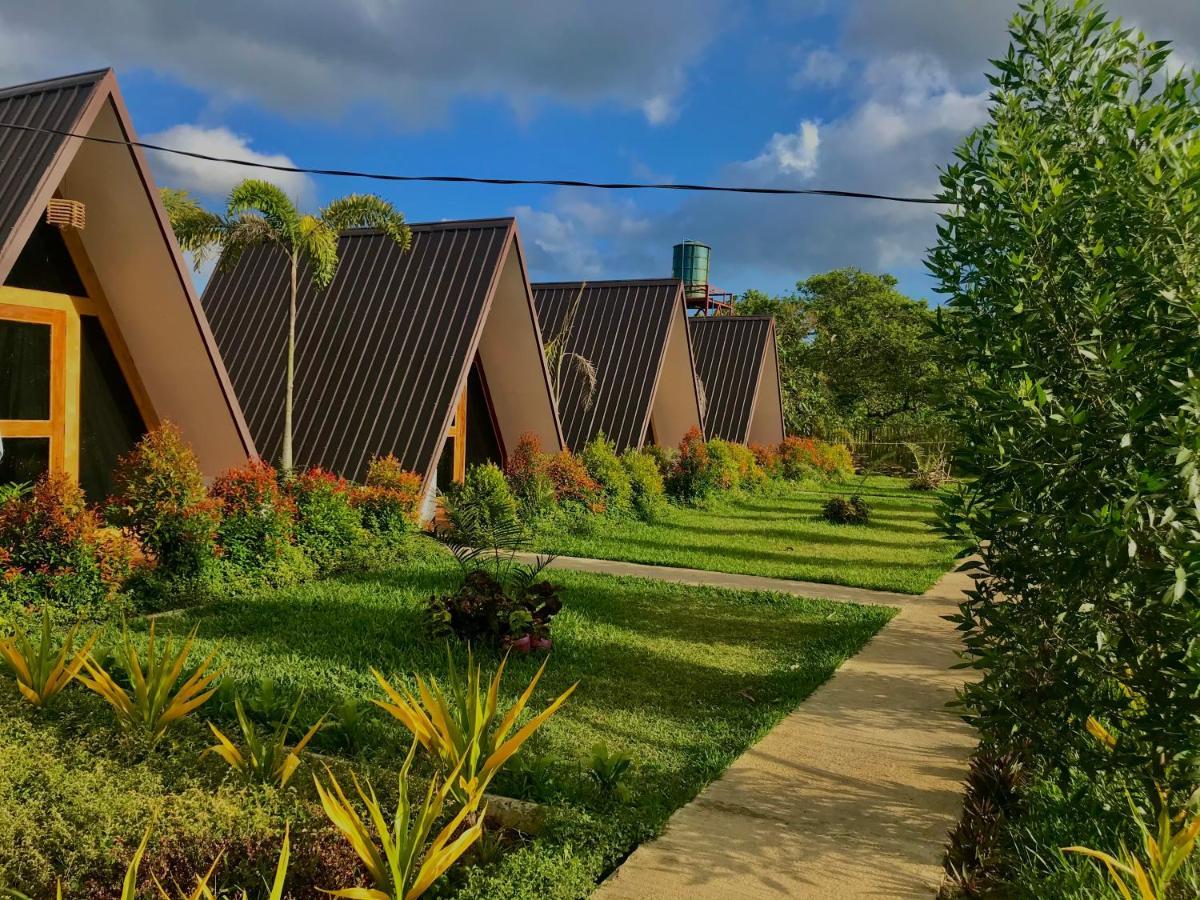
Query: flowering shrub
{"points": [[692, 477], [646, 483], [602, 463], [53, 550], [257, 516], [328, 527], [572, 483], [390, 501], [528, 478], [160, 497]]}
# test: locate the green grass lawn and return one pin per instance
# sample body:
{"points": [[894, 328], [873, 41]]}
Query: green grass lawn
{"points": [[684, 678], [782, 535]]}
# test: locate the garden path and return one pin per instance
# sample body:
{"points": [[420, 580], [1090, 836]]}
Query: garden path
{"points": [[850, 796]]}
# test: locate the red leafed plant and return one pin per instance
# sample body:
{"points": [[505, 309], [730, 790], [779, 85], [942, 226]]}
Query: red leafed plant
{"points": [[159, 495], [390, 501], [55, 552], [257, 515], [572, 483], [767, 456], [527, 471], [692, 476]]}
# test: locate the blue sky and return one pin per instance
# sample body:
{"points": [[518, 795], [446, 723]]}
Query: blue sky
{"points": [[861, 94]]}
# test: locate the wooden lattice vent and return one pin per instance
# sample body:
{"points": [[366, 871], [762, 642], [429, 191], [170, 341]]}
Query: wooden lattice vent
{"points": [[66, 213]]}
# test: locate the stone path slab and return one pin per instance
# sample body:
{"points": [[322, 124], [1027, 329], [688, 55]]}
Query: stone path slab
{"points": [[850, 796]]}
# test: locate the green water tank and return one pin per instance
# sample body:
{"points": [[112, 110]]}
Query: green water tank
{"points": [[689, 262]]}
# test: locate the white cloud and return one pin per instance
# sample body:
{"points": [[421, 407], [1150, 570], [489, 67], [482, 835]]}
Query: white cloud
{"points": [[791, 154], [821, 67], [578, 235], [415, 58], [213, 180]]}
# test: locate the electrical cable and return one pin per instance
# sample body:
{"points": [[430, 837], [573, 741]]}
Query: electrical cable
{"points": [[467, 179]]}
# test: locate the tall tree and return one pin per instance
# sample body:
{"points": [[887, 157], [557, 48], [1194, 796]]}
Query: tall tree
{"points": [[257, 212], [855, 351]]}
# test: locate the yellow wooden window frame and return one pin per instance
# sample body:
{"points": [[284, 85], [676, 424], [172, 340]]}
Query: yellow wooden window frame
{"points": [[457, 432]]}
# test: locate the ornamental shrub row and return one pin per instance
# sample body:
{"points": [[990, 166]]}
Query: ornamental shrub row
{"points": [[163, 529]]}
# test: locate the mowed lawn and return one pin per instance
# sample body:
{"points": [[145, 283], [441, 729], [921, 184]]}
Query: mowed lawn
{"points": [[683, 678], [783, 536]]}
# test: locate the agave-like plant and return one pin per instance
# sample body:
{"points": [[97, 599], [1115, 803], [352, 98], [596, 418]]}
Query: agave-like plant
{"points": [[459, 725], [269, 759], [42, 669], [158, 700], [1166, 849], [401, 859]]}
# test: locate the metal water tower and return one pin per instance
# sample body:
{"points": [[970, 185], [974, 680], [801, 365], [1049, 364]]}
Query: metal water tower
{"points": [[690, 263]]}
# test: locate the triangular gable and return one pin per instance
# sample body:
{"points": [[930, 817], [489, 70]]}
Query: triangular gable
{"points": [[383, 355], [635, 335], [738, 367], [126, 254]]}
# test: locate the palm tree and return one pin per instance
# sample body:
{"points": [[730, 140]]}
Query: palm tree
{"points": [[258, 212], [558, 356]]}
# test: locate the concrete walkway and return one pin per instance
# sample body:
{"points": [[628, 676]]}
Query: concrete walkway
{"points": [[851, 796], [728, 580]]}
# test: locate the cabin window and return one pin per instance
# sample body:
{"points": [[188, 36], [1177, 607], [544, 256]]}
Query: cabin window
{"points": [[32, 391]]}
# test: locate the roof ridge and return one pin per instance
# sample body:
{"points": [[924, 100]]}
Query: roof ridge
{"points": [[58, 82], [545, 285], [462, 224]]}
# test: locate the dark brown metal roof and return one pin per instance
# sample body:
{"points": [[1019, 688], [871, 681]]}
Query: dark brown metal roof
{"points": [[26, 157], [380, 356], [730, 354], [622, 328]]}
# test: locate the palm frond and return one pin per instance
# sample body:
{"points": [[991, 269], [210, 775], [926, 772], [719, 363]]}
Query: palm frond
{"points": [[317, 242], [587, 372], [198, 230], [243, 232], [367, 211], [268, 201]]}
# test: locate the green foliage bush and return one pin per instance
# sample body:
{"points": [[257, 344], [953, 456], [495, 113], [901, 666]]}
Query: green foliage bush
{"points": [[482, 507], [328, 527], [604, 465], [1069, 253], [726, 472], [645, 482], [664, 458], [159, 495], [841, 510]]}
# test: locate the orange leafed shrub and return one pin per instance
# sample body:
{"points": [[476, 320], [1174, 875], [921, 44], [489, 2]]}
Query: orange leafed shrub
{"points": [[800, 457], [571, 481], [528, 475], [257, 516], [390, 501]]}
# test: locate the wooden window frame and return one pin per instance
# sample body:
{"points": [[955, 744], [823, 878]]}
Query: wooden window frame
{"points": [[457, 432]]}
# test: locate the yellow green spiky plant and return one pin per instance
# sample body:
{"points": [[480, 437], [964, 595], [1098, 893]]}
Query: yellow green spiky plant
{"points": [[158, 700], [269, 759], [43, 669], [401, 859], [460, 726]]}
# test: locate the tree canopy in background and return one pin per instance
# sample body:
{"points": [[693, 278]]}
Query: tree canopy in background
{"points": [[856, 353]]}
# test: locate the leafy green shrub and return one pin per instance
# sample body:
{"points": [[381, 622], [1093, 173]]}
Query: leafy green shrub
{"points": [[726, 472], [513, 611], [841, 511], [602, 463], [692, 476], [257, 517], [664, 458], [646, 484], [1068, 251], [390, 501], [54, 554], [528, 478], [328, 527], [608, 771], [159, 495], [810, 458], [481, 507], [750, 474]]}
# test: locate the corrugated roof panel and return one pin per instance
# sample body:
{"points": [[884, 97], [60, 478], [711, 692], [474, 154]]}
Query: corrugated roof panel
{"points": [[378, 354], [621, 327], [25, 156], [729, 353]]}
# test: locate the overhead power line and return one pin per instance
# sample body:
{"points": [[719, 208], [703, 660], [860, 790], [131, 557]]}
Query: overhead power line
{"points": [[469, 179]]}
